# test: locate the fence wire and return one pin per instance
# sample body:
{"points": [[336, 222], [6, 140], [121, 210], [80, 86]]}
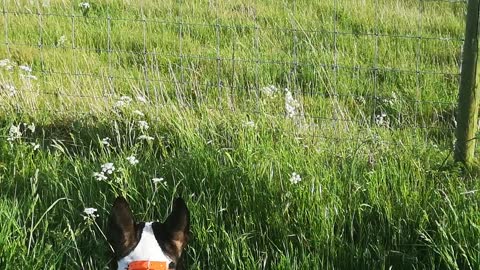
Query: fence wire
{"points": [[234, 53]]}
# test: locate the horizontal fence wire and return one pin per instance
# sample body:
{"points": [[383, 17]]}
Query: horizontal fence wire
{"points": [[381, 71]]}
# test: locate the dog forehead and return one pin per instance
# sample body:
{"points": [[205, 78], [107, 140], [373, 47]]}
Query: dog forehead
{"points": [[147, 249]]}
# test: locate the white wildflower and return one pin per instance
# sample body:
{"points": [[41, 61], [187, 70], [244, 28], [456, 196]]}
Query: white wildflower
{"points": [[142, 99], [11, 90], [126, 99], [123, 101], [249, 124], [361, 100], [139, 113], [31, 127], [133, 160], [119, 104], [61, 40], [100, 176], [90, 213], [6, 64], [269, 91], [84, 5], [158, 180], [105, 141], [145, 137], [295, 178], [291, 104], [25, 68], [14, 133], [381, 119], [36, 146], [143, 125], [28, 77], [108, 168]]}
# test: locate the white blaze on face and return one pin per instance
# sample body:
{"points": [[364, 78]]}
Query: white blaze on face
{"points": [[147, 249]]}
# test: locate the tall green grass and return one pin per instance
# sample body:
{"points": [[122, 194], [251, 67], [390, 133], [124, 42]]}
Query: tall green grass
{"points": [[373, 194]]}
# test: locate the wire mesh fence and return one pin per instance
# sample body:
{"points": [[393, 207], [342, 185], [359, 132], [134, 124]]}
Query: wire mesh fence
{"points": [[375, 63]]}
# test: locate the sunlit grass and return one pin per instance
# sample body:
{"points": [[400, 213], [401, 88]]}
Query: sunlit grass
{"points": [[349, 168]]}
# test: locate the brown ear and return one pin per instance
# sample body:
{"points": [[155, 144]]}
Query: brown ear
{"points": [[121, 228], [177, 225]]}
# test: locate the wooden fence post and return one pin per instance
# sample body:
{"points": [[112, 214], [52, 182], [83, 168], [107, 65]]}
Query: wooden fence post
{"points": [[467, 111]]}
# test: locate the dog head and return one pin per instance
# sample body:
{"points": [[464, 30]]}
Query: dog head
{"points": [[147, 245]]}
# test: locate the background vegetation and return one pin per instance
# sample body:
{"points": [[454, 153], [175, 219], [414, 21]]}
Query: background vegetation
{"points": [[194, 90]]}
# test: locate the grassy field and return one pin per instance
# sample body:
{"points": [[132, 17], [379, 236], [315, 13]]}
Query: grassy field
{"points": [[194, 90]]}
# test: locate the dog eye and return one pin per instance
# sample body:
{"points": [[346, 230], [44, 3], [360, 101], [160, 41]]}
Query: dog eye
{"points": [[171, 265]]}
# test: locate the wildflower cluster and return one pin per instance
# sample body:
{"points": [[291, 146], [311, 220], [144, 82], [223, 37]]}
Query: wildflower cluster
{"points": [[123, 101], [139, 113], [61, 40], [106, 169], [142, 99], [16, 132], [249, 124], [35, 146], [9, 89], [132, 160], [269, 91], [84, 5], [25, 68], [291, 104], [145, 138], [143, 125], [295, 178], [158, 181], [85, 8], [382, 119], [105, 141], [27, 73], [7, 64], [100, 176], [90, 213]]}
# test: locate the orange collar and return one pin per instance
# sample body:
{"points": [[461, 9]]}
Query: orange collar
{"points": [[147, 265]]}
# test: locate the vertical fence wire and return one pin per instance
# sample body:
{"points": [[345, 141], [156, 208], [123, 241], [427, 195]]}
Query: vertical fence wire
{"points": [[5, 18], [257, 58], [293, 79], [375, 112], [145, 52], [109, 56], [40, 47], [73, 48], [180, 86], [220, 93], [7, 45], [232, 85], [418, 50], [335, 48]]}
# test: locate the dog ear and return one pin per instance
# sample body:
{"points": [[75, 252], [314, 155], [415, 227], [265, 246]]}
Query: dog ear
{"points": [[121, 228], [177, 225]]}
